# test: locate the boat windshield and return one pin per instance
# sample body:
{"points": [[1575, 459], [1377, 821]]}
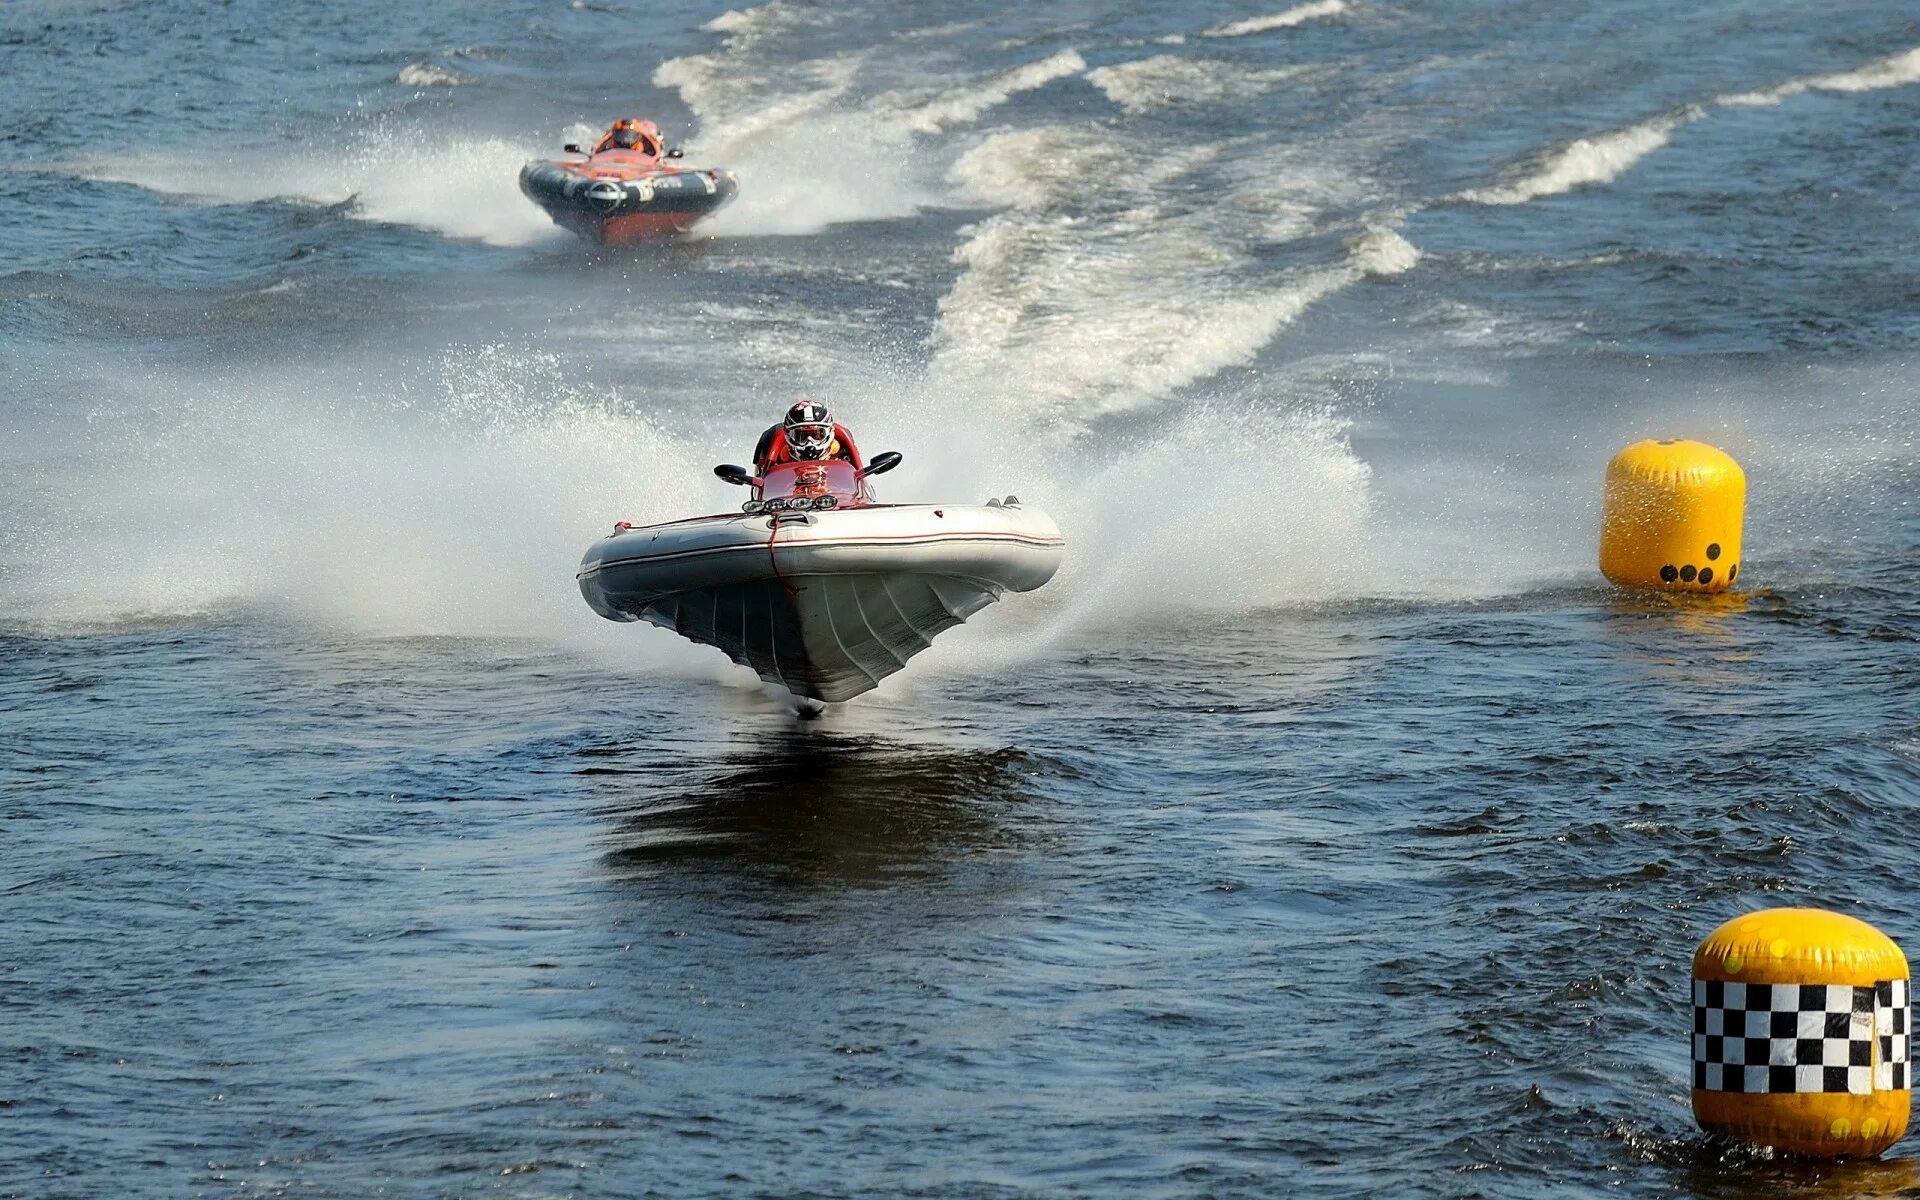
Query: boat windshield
{"points": [[832, 477]]}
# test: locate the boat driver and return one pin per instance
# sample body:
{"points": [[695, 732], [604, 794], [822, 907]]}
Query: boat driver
{"points": [[809, 433], [628, 133]]}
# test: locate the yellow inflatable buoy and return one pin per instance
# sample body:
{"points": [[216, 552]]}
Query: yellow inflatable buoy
{"points": [[1672, 517], [1800, 1021]]}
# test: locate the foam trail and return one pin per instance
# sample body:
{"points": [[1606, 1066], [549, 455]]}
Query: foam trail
{"points": [[1380, 253], [1297, 15], [749, 22], [1899, 70], [795, 178], [1597, 159], [736, 114], [1168, 79], [807, 157], [1122, 355], [1896, 71], [809, 152], [968, 103], [466, 189], [1037, 168], [427, 75], [1606, 156], [1093, 295]]}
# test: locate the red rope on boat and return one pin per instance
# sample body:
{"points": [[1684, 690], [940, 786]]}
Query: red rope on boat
{"points": [[773, 533]]}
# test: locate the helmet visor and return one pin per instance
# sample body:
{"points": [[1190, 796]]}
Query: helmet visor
{"points": [[810, 437], [626, 139]]}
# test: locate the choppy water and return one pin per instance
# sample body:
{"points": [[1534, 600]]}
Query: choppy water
{"points": [[1324, 829]]}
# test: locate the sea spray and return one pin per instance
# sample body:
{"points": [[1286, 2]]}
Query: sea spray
{"points": [[451, 498], [390, 171]]}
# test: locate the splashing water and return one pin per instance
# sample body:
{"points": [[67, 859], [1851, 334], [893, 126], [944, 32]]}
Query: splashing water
{"points": [[393, 172], [457, 502]]}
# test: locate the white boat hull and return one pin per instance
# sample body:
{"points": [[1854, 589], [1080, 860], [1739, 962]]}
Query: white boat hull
{"points": [[825, 604]]}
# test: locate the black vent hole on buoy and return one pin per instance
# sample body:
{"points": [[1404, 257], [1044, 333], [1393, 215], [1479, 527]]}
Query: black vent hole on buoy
{"points": [[1669, 573], [1713, 551], [1733, 572], [1706, 574], [1687, 573]]}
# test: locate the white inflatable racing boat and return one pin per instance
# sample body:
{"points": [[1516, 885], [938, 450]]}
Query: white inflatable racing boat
{"points": [[813, 585]]}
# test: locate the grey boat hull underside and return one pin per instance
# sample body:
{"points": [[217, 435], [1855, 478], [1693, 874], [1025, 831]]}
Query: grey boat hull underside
{"points": [[825, 605], [835, 637]]}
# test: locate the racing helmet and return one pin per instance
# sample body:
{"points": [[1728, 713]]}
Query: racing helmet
{"points": [[809, 428], [628, 133]]}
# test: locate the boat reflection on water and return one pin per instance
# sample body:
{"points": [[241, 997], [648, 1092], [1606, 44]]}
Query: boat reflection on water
{"points": [[841, 809]]}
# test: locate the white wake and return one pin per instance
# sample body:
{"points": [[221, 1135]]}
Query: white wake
{"points": [[1298, 15]]}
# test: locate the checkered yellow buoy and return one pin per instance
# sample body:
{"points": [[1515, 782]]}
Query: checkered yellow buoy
{"points": [[1672, 517], [1800, 1034]]}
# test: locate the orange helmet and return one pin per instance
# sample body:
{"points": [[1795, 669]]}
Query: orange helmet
{"points": [[629, 133]]}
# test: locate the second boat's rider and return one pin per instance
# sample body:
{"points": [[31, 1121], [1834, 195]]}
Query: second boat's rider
{"points": [[629, 133]]}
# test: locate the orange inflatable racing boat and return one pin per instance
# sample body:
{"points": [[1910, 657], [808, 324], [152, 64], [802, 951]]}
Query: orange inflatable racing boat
{"points": [[625, 190]]}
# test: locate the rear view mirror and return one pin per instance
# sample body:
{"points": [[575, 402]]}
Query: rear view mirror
{"points": [[733, 474], [573, 148], [882, 463], [676, 152]]}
